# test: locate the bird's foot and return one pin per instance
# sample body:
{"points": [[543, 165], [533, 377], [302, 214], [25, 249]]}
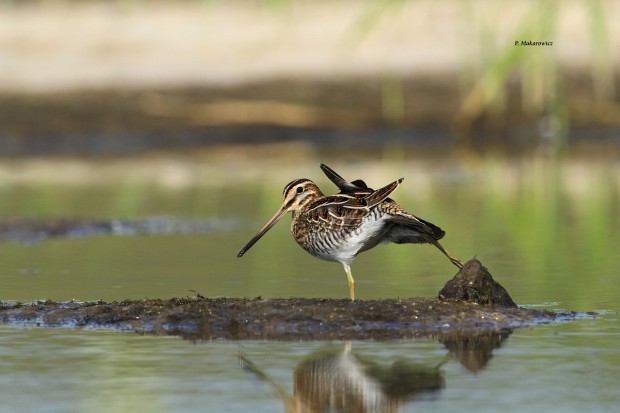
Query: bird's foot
{"points": [[456, 262]]}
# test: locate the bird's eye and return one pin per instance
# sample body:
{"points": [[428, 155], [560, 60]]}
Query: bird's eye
{"points": [[300, 189]]}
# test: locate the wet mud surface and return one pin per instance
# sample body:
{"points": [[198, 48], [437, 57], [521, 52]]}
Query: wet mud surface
{"points": [[471, 303], [282, 318]]}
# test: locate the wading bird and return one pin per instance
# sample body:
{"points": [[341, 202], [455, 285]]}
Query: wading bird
{"points": [[338, 227]]}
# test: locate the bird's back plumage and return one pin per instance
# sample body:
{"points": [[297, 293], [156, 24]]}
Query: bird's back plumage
{"points": [[338, 227]]}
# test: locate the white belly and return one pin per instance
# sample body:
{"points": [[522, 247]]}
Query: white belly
{"points": [[365, 237]]}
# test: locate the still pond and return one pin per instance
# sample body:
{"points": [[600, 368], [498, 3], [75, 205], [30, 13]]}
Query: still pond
{"points": [[547, 231]]}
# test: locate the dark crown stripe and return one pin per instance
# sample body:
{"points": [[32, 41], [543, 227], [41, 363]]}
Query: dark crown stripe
{"points": [[294, 183]]}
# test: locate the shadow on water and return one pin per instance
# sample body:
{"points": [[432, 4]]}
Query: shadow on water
{"points": [[336, 379]]}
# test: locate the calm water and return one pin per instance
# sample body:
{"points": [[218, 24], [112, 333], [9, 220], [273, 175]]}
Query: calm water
{"points": [[548, 233]]}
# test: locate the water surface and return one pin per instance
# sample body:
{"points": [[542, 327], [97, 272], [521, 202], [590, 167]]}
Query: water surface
{"points": [[567, 367], [546, 231]]}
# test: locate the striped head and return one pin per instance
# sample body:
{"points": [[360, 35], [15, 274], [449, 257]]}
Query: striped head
{"points": [[299, 193], [296, 195]]}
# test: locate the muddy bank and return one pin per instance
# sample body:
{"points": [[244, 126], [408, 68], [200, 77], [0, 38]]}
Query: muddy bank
{"points": [[329, 116], [470, 303], [282, 318]]}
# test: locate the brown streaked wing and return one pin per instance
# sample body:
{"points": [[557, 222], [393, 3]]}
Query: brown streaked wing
{"points": [[331, 212], [335, 216], [368, 201], [325, 201]]}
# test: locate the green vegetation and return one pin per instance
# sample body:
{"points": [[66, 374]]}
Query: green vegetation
{"points": [[490, 65]]}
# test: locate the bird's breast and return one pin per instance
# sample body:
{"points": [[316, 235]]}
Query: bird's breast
{"points": [[340, 239]]}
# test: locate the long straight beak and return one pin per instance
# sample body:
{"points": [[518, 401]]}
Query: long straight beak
{"points": [[278, 216]]}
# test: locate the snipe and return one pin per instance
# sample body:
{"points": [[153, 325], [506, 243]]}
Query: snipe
{"points": [[338, 227]]}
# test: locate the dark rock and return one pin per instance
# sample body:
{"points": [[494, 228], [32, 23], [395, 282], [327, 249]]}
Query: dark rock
{"points": [[475, 284]]}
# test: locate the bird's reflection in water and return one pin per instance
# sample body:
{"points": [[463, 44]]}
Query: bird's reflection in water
{"points": [[337, 380]]}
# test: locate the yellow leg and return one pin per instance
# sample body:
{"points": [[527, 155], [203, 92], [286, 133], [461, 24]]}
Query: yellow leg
{"points": [[454, 261], [347, 269]]}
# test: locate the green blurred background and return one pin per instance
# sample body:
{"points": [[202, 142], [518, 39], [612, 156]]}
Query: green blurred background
{"points": [[206, 109], [118, 77]]}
